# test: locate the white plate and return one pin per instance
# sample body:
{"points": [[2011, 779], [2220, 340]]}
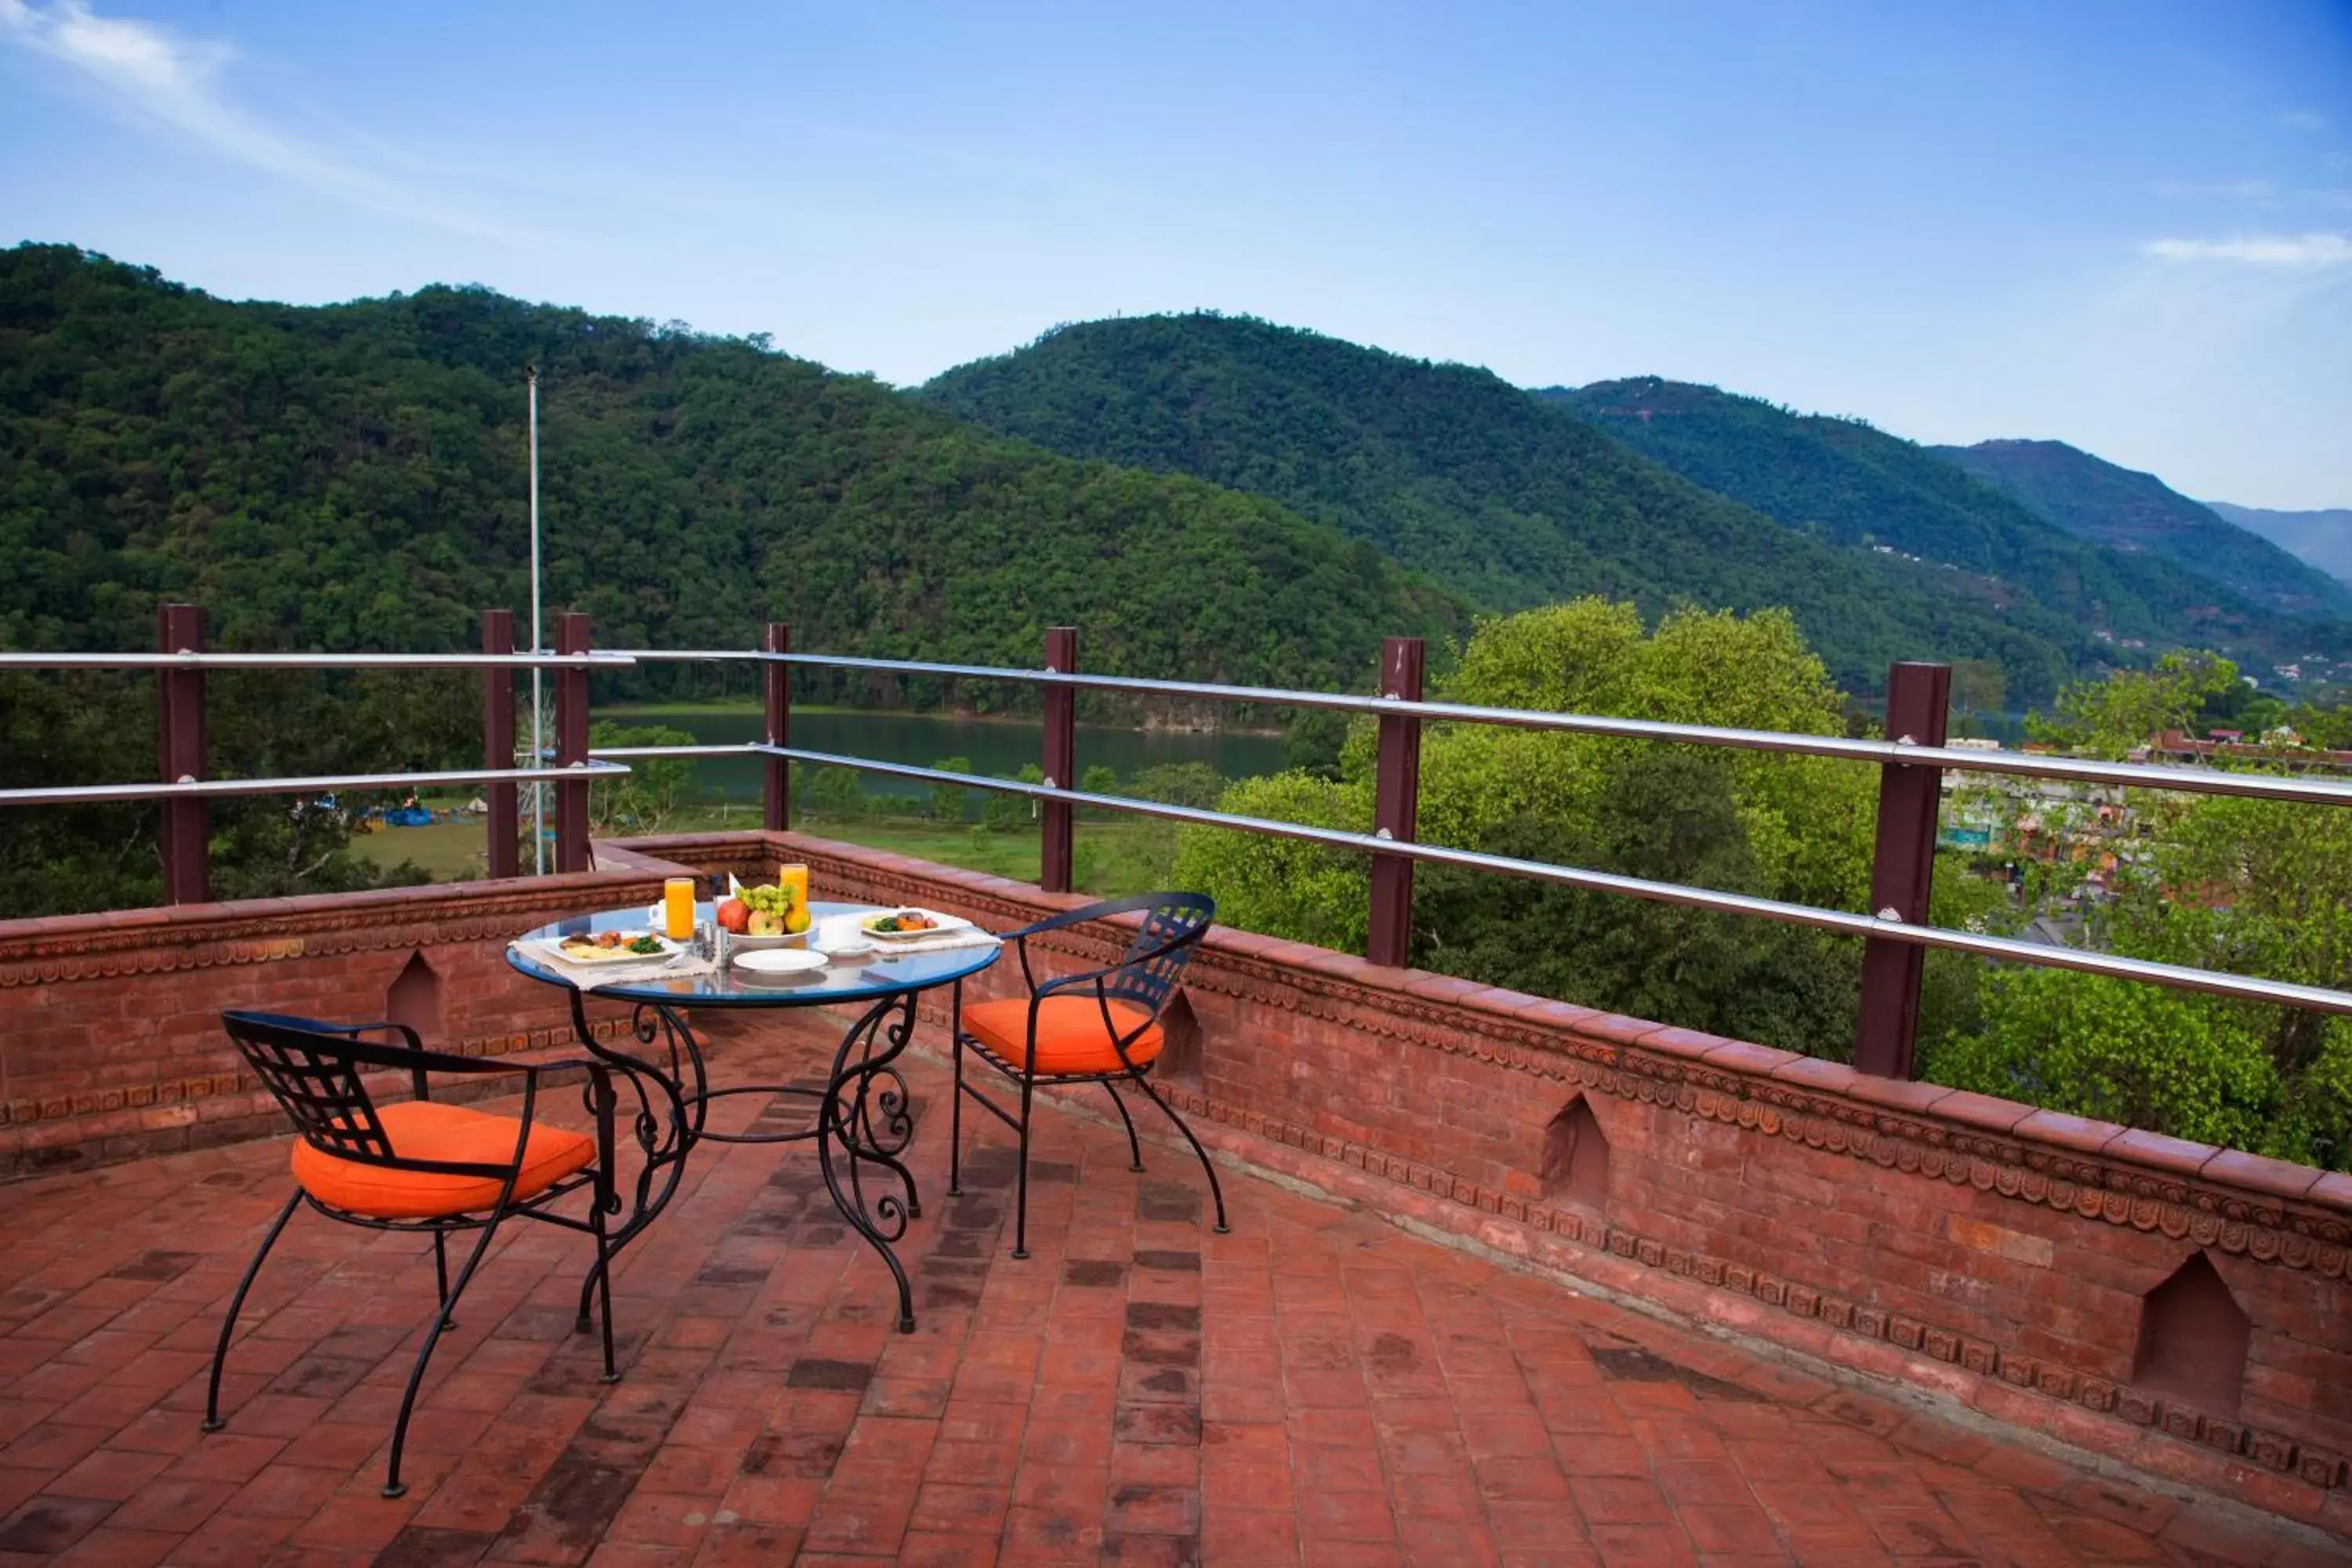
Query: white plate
{"points": [[848, 947], [615, 955], [743, 942], [780, 961], [940, 925]]}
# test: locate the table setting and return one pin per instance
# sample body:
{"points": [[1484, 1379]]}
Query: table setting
{"points": [[765, 946]]}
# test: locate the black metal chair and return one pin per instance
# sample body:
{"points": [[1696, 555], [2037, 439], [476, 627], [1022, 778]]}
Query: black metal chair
{"points": [[420, 1166], [1101, 1027]]}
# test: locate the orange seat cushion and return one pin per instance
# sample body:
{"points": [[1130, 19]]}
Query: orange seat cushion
{"points": [[1071, 1038], [420, 1130]]}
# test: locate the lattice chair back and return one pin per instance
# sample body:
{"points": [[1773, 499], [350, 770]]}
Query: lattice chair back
{"points": [[1173, 925], [314, 1074]]}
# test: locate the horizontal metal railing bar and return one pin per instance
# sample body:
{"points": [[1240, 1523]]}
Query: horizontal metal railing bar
{"points": [[2197, 781], [2178, 976], [194, 660], [697, 655], [726, 749], [97, 794]]}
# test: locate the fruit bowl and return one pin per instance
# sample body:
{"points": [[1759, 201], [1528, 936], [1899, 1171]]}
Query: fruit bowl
{"points": [[741, 915]]}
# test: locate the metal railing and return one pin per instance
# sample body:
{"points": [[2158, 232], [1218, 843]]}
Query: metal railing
{"points": [[323, 784], [1844, 922], [180, 661], [1911, 760], [1895, 935]]}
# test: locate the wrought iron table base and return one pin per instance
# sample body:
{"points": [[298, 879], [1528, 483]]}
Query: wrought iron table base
{"points": [[863, 1119]]}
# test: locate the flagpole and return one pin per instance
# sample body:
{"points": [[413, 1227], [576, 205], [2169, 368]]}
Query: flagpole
{"points": [[538, 642]]}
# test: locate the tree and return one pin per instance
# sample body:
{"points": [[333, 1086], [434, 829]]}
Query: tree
{"points": [[947, 800], [836, 794], [1194, 785], [1792, 828], [1002, 812], [1979, 687], [655, 787], [2132, 707]]}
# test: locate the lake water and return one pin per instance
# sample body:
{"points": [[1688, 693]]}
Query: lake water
{"points": [[994, 746]]}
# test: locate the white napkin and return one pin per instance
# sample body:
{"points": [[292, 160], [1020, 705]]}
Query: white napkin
{"points": [[596, 976]]}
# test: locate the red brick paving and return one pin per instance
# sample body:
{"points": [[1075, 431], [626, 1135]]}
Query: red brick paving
{"points": [[1316, 1387]]}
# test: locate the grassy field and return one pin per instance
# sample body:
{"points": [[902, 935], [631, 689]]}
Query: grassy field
{"points": [[1113, 857], [445, 851]]}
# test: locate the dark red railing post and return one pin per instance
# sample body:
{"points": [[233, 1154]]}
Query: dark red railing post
{"points": [[1396, 804], [1919, 704], [505, 825], [572, 744], [1054, 849], [776, 689], [180, 754]]}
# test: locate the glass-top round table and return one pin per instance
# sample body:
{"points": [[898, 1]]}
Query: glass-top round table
{"points": [[863, 1121]]}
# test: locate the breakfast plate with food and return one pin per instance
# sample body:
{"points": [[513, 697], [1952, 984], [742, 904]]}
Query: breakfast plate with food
{"points": [[615, 947], [910, 924]]}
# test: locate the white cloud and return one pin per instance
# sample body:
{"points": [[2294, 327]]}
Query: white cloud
{"points": [[2303, 120], [174, 84], [2284, 252]]}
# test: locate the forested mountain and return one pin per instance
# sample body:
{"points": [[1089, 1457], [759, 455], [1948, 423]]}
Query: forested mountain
{"points": [[353, 477], [1455, 472], [1843, 481], [2323, 539], [2134, 511]]}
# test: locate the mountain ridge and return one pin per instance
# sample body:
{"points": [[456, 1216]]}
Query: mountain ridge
{"points": [[1849, 482], [1497, 493], [352, 476], [2128, 509]]}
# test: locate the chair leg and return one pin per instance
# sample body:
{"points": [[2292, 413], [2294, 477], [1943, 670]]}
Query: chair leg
{"points": [[598, 1280], [1215, 1191], [1021, 1180], [213, 1421], [603, 1285], [1134, 1149], [393, 1486], [955, 1098], [441, 1273]]}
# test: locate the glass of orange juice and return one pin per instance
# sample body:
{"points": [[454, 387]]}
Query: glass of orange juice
{"points": [[794, 880], [678, 909]]}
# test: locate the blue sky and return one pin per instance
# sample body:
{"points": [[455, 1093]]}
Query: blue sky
{"points": [[2126, 225]]}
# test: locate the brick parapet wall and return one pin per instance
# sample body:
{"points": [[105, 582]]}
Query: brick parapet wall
{"points": [[1977, 1248], [111, 1045]]}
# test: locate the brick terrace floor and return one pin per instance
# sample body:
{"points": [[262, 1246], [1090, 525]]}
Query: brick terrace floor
{"points": [[1315, 1387]]}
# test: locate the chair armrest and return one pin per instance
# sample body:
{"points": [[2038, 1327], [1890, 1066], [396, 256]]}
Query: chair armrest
{"points": [[417, 1059], [1091, 912]]}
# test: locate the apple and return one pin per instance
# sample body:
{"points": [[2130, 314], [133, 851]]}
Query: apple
{"points": [[735, 915], [765, 924]]}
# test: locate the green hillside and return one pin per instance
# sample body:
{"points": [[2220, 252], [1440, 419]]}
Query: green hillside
{"points": [[1845, 481], [2127, 511], [353, 477], [1454, 472]]}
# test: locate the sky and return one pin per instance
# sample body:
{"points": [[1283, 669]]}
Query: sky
{"points": [[2126, 226]]}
